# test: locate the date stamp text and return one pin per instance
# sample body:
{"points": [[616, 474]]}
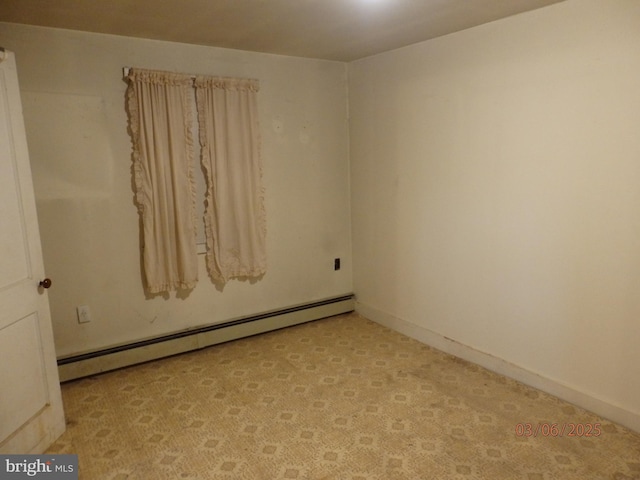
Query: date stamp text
{"points": [[558, 430]]}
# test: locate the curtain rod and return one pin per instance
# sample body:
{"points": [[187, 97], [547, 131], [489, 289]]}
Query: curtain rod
{"points": [[127, 70]]}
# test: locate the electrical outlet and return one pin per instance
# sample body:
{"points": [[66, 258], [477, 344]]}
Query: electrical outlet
{"points": [[336, 264], [84, 314]]}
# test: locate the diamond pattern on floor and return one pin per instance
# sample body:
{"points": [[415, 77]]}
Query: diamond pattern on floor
{"points": [[340, 398]]}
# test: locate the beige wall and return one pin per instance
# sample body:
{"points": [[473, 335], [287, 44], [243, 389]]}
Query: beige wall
{"points": [[73, 99], [496, 196]]}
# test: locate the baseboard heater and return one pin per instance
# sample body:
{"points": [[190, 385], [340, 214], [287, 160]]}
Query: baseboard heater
{"points": [[118, 356]]}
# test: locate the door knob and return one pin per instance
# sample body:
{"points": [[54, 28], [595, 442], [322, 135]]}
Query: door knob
{"points": [[46, 283]]}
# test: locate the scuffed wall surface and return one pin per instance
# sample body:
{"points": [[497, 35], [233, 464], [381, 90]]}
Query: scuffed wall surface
{"points": [[74, 105]]}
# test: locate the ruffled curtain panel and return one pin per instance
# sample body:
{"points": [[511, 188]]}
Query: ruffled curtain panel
{"points": [[160, 112], [234, 211], [160, 116]]}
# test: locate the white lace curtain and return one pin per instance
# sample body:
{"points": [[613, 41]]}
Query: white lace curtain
{"points": [[159, 107], [234, 212], [160, 116]]}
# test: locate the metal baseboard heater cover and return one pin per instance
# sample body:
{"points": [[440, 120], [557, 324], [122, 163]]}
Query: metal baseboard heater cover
{"points": [[118, 356]]}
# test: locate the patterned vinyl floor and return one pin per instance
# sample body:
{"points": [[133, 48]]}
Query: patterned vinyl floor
{"points": [[340, 398]]}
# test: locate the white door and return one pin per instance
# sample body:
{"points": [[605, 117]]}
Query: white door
{"points": [[31, 416]]}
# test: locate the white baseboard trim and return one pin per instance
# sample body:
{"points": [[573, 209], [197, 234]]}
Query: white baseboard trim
{"points": [[600, 407], [124, 355]]}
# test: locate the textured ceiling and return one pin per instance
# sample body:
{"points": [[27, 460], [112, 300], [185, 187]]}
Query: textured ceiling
{"points": [[342, 30]]}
